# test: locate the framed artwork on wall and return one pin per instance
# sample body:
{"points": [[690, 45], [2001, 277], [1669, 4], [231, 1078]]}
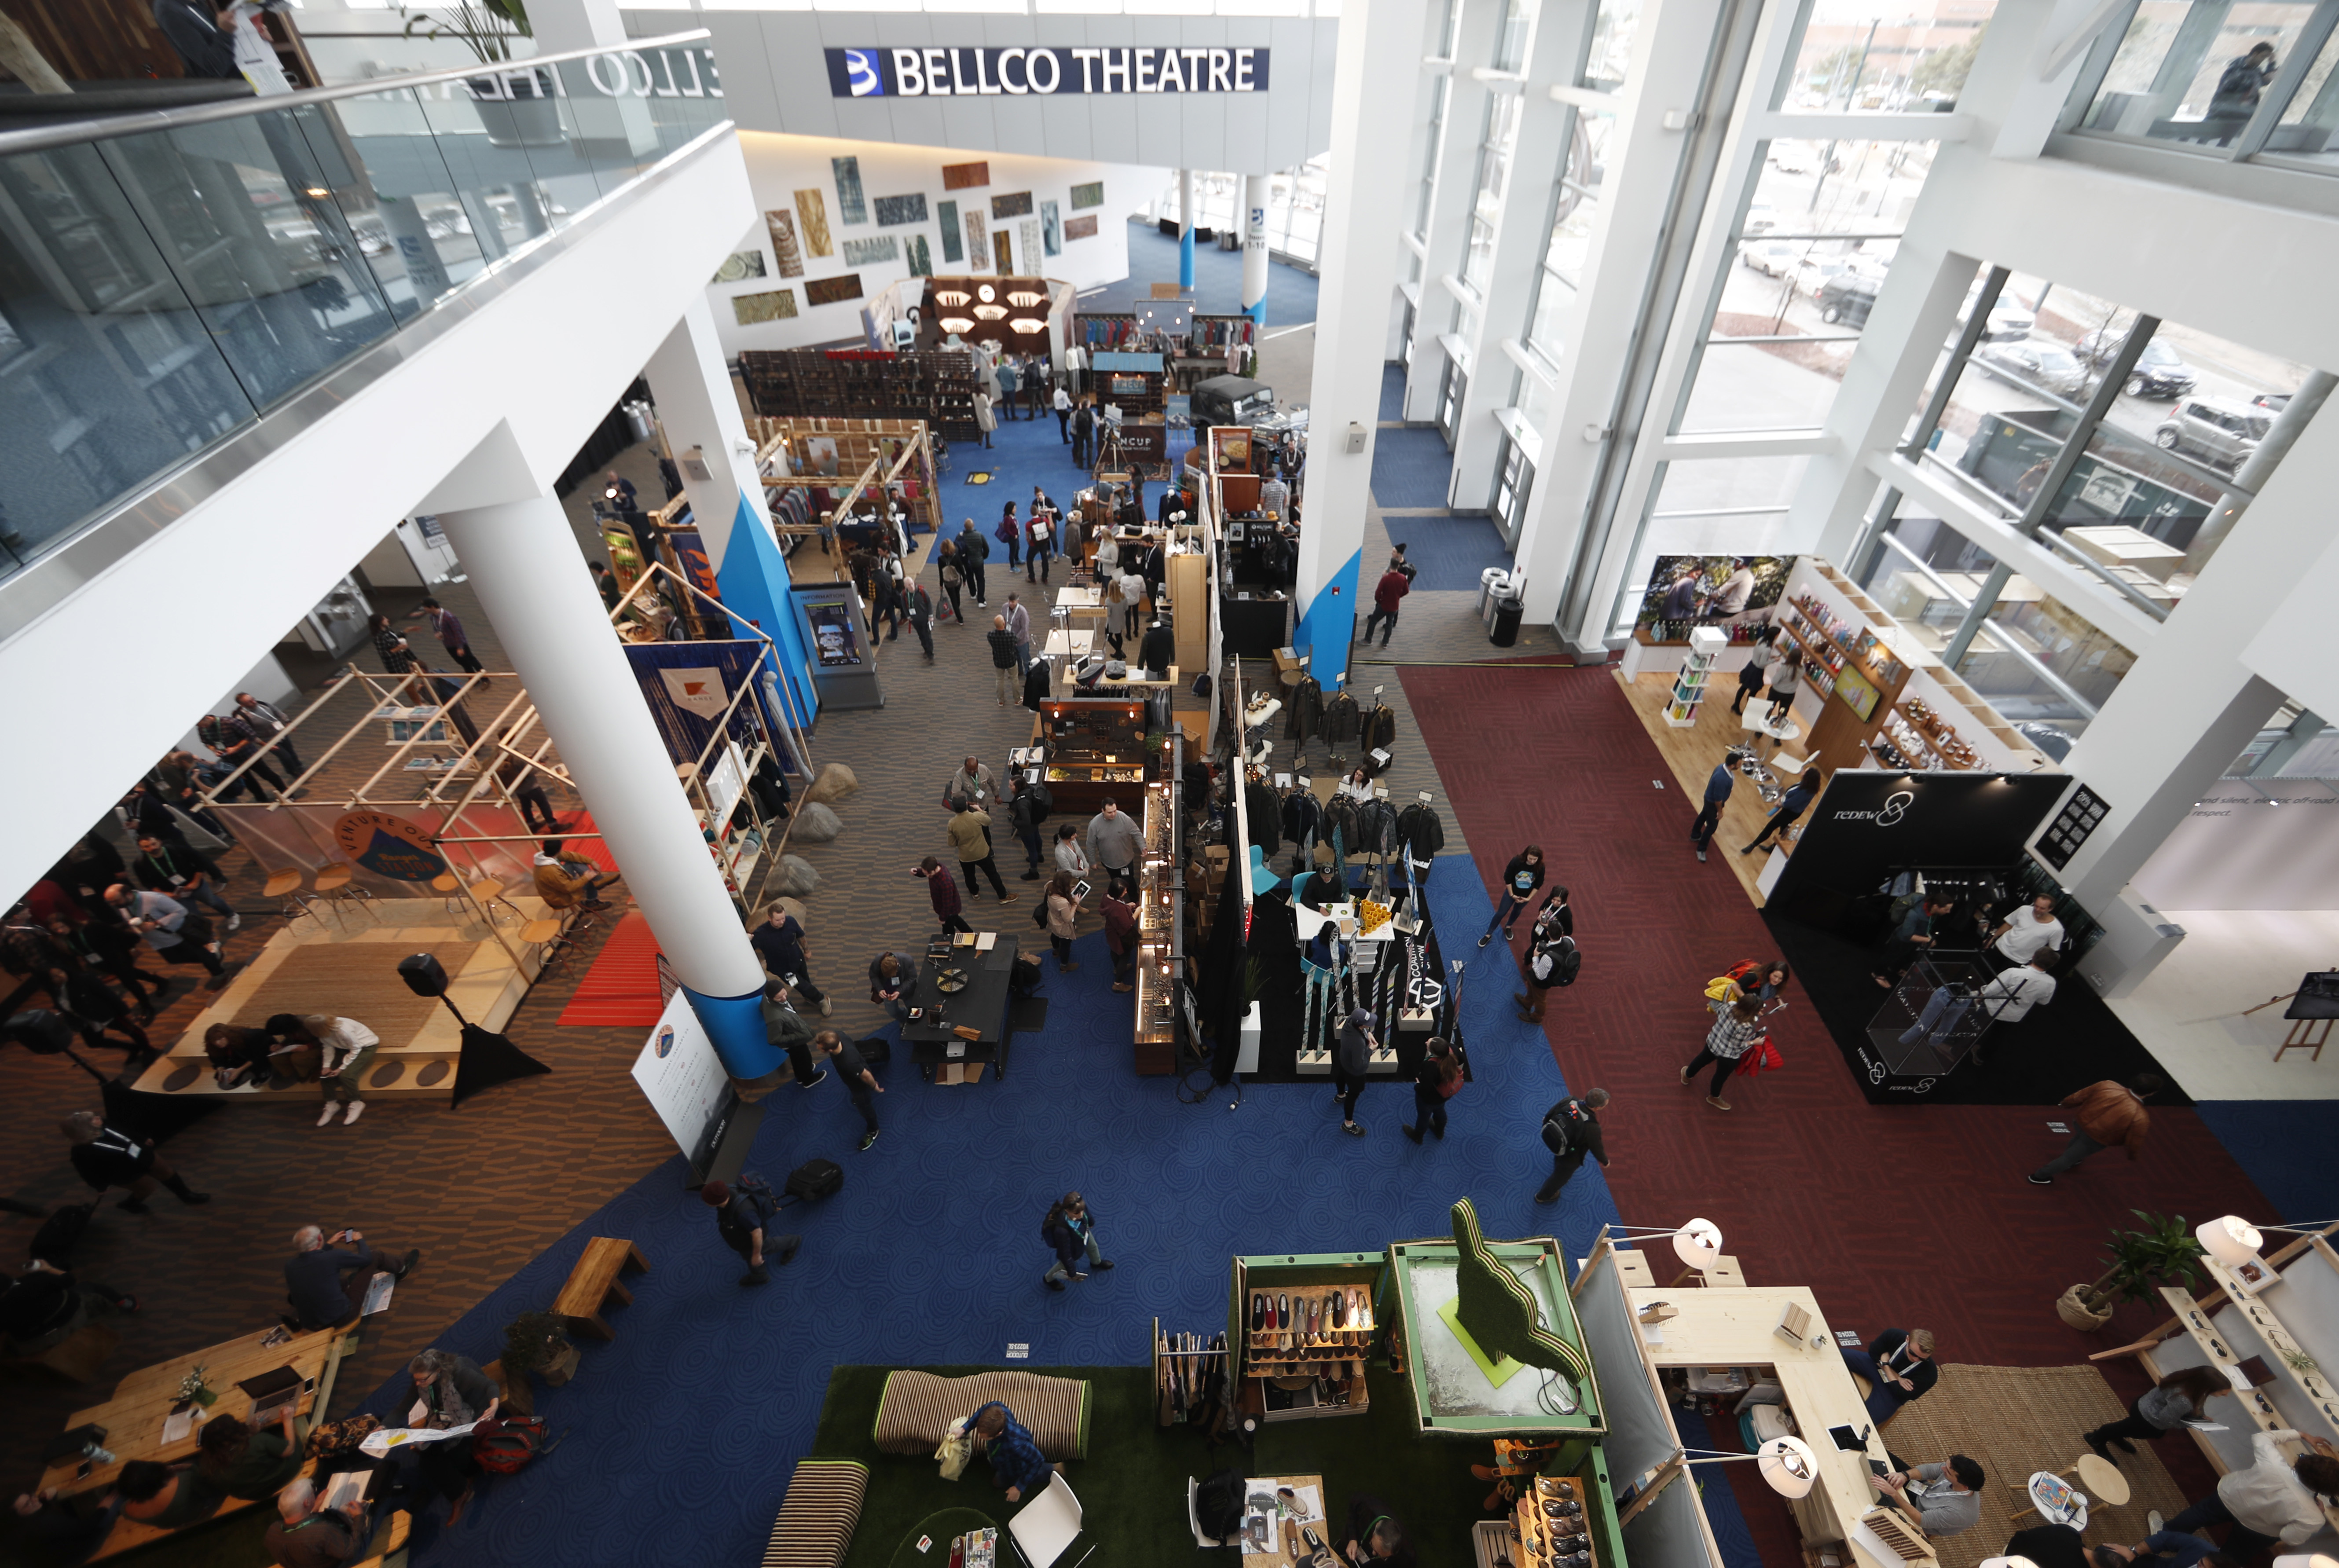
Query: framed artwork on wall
{"points": [[781, 224], [1015, 205], [851, 204], [869, 252], [739, 266], [954, 248], [921, 259], [1089, 195], [773, 305], [965, 176], [833, 291], [1080, 228], [978, 242], [1027, 236], [894, 210], [1002, 252], [812, 214]]}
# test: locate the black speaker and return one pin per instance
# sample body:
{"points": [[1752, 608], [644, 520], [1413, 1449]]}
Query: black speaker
{"points": [[423, 974]]}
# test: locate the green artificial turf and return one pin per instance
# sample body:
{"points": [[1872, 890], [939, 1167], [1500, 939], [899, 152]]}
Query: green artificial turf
{"points": [[1132, 1485]]}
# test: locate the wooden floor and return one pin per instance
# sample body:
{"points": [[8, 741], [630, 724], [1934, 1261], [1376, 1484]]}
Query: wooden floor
{"points": [[1690, 754]]}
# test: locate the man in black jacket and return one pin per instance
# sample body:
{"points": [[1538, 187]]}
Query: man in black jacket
{"points": [[740, 1220], [108, 1156], [1581, 1118], [1159, 651], [312, 1275], [973, 549], [193, 32]]}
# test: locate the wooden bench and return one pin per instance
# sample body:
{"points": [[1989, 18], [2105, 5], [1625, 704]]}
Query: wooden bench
{"points": [[818, 1515], [75, 1358], [593, 1280]]}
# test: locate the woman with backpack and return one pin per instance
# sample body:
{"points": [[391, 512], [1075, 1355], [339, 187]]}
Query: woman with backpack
{"points": [[1439, 1081], [1733, 1034], [1010, 533]]}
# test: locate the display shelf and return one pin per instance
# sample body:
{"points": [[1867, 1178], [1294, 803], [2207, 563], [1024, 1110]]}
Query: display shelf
{"points": [[1705, 646], [1316, 1373], [1183, 1367], [1565, 1540], [1160, 921]]}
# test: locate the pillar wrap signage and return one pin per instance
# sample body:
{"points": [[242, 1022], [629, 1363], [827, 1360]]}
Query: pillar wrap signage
{"points": [[1046, 71]]}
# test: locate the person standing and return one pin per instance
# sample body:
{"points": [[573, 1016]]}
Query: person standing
{"points": [[1439, 1081], [390, 645], [1755, 672], [1718, 786], [2277, 1498], [973, 549], [853, 1072], [1068, 854], [451, 636], [2111, 1116], [985, 420], [1785, 676], [1520, 880], [1733, 1034], [194, 34], [2183, 1395], [1042, 529], [1911, 940], [2025, 933], [1120, 939], [107, 1156], [1063, 402], [973, 782], [1083, 433], [1114, 841], [605, 583], [177, 872], [1064, 917], [779, 943], [951, 573], [1275, 496], [2240, 85], [1010, 381], [1018, 624], [106, 944], [1571, 1130], [1552, 961], [1006, 663], [1392, 588], [1790, 806], [970, 835], [1010, 532], [1352, 1058], [266, 724], [171, 929], [1023, 814], [739, 1221], [942, 890], [1070, 1229], [918, 606], [784, 1027]]}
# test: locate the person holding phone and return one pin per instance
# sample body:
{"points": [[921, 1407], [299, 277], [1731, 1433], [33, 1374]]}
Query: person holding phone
{"points": [[1064, 897], [1520, 880]]}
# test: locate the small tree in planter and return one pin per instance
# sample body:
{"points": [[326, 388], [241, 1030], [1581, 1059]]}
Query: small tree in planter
{"points": [[518, 106], [2161, 1252], [538, 1343]]}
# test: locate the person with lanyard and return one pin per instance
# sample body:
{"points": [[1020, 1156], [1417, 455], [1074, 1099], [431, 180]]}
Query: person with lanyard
{"points": [[1375, 1536], [266, 723], [169, 928], [104, 944], [1943, 1498], [1911, 939], [451, 634], [1042, 532], [1071, 1230], [1899, 1366], [180, 872], [1520, 880], [779, 943], [887, 976], [307, 1535]]}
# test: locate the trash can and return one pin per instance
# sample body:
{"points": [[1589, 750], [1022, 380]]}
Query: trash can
{"points": [[1491, 581], [1508, 612]]}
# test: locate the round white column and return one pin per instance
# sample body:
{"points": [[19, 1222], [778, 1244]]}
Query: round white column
{"points": [[1254, 276]]}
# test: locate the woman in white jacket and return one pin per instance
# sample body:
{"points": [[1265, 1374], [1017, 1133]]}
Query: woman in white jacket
{"points": [[1070, 856]]}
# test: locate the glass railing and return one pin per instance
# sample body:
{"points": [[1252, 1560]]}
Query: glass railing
{"points": [[167, 279]]}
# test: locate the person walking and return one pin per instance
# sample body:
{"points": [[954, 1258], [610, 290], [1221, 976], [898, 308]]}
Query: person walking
{"points": [[1115, 839], [1552, 961], [985, 420], [1718, 786], [918, 608], [1439, 1081], [2277, 1498], [1010, 532], [1571, 1130], [2183, 1395], [1023, 814], [1386, 593], [1063, 405], [1083, 432], [739, 1220], [1520, 880], [970, 835], [951, 573], [1755, 672], [1120, 939], [1733, 1034], [853, 1071], [779, 944], [1005, 662], [973, 549], [942, 890], [1351, 1059], [1070, 1229], [1019, 624], [107, 1156], [1042, 529], [1790, 806], [266, 723], [451, 636], [2111, 1116], [1064, 917], [106, 944]]}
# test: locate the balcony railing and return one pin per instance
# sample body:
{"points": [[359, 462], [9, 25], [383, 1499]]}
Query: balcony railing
{"points": [[168, 279]]}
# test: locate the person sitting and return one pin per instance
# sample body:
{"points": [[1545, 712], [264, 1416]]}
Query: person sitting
{"points": [[165, 1496], [1323, 888], [308, 1535], [320, 1297], [2277, 1498], [240, 1055], [108, 1156], [45, 1306], [1943, 1498], [567, 884], [1016, 1461], [241, 1462], [2048, 1546], [1899, 1366], [2163, 1549], [1375, 1536], [344, 1050], [450, 1391]]}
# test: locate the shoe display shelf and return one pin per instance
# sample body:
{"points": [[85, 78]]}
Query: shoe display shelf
{"points": [[1301, 1364]]}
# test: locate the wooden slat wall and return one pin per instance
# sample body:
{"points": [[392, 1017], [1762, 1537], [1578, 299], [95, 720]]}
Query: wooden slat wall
{"points": [[97, 40]]}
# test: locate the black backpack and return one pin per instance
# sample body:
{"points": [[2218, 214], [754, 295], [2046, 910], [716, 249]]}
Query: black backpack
{"points": [[1557, 1123], [1566, 963], [816, 1178], [1218, 1505]]}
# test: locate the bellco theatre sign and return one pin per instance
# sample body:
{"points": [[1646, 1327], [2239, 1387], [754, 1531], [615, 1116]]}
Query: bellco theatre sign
{"points": [[983, 72]]}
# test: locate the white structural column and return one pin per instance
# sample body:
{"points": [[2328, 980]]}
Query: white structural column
{"points": [[1378, 70], [1254, 252], [522, 561], [1447, 234], [1671, 50], [1185, 228]]}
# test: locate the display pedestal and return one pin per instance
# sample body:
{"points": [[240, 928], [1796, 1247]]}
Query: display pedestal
{"points": [[1930, 1022]]}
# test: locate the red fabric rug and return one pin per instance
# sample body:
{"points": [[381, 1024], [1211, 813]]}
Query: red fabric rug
{"points": [[1894, 1216], [622, 986]]}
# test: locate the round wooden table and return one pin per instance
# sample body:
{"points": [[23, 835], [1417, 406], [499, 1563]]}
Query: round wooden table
{"points": [[940, 1529], [2101, 1480]]}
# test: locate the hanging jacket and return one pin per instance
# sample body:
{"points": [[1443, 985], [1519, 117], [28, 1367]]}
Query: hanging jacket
{"points": [[1266, 820], [1303, 816], [1376, 828], [1340, 722], [1304, 713], [1420, 830], [1380, 729]]}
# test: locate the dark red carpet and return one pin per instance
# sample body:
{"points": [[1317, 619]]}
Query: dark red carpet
{"points": [[1913, 1217]]}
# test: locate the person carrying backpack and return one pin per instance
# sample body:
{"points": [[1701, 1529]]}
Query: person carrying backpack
{"points": [[1439, 1081], [741, 1215], [1069, 1230], [1571, 1129], [1555, 962]]}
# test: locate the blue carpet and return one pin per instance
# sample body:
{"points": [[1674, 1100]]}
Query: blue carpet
{"points": [[1024, 453], [1392, 390], [1218, 279], [1716, 1482], [2283, 1146], [1451, 552], [1411, 468], [679, 1436]]}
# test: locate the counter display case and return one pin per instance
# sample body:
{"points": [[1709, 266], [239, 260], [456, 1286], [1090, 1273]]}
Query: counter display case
{"points": [[1300, 1326], [1160, 921], [1096, 750]]}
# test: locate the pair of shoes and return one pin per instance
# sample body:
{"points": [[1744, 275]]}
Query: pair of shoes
{"points": [[1412, 1132], [1747, 850], [867, 1138], [133, 1205], [826, 1007], [1066, 967], [356, 1109], [1530, 1018], [413, 1258], [1701, 857], [462, 1503], [1118, 987], [2125, 1446], [1508, 934], [1546, 1198], [1009, 897], [1685, 1078], [1104, 1263], [819, 1076], [1486, 939], [1439, 1133], [757, 1274], [2097, 1444], [332, 1109], [2037, 1180], [1052, 1284], [789, 1247], [1031, 876], [1079, 1277], [235, 922], [1716, 1101], [1525, 1005], [1354, 1130]]}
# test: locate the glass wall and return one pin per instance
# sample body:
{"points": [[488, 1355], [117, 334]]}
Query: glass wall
{"points": [[1575, 208], [1859, 55], [1494, 173], [1611, 44], [1711, 506], [1440, 88], [2215, 78]]}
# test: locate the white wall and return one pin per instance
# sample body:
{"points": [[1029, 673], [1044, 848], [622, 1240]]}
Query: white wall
{"points": [[779, 166]]}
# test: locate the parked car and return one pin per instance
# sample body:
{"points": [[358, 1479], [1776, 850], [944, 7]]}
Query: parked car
{"points": [[1847, 298], [2224, 433], [2273, 402], [2157, 372], [1771, 258], [1759, 219], [2009, 319], [2036, 363]]}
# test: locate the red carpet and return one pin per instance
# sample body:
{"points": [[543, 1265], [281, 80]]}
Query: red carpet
{"points": [[622, 986], [1914, 1216]]}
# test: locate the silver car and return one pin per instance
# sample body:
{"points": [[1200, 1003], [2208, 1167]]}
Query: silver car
{"points": [[2035, 362], [2223, 433]]}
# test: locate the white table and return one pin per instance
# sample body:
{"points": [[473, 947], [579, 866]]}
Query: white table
{"points": [[2044, 1482], [1785, 730], [1065, 643]]}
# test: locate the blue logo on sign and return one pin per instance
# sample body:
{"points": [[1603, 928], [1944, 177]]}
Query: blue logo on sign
{"points": [[665, 1042], [861, 72]]}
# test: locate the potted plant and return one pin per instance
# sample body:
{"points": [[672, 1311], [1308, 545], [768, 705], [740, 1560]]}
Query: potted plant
{"points": [[519, 108], [195, 1388], [538, 1343], [2161, 1251]]}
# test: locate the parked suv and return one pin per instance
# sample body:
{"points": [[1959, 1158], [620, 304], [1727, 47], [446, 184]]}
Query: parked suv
{"points": [[2223, 433], [2157, 372], [1848, 297]]}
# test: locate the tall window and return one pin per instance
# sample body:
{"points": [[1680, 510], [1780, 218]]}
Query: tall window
{"points": [[1611, 44], [1437, 95], [2252, 80], [1575, 203], [1863, 55], [1494, 173], [1511, 39]]}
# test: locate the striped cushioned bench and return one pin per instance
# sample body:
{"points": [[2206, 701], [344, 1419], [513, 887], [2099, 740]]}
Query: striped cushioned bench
{"points": [[817, 1517], [917, 1405]]}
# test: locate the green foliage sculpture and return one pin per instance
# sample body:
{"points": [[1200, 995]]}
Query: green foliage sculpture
{"points": [[1498, 1309]]}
